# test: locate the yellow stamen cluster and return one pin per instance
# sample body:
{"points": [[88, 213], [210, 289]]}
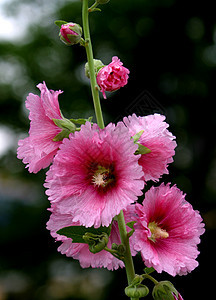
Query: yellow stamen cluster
{"points": [[157, 232]]}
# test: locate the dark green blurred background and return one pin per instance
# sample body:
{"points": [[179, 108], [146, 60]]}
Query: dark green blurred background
{"points": [[170, 48]]}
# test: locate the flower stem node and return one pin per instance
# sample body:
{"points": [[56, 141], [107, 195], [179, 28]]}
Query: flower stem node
{"points": [[120, 248], [165, 290], [136, 291], [96, 242], [97, 66], [70, 33]]}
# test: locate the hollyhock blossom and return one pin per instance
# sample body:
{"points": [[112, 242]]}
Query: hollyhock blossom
{"points": [[158, 139], [38, 149], [81, 251], [113, 76], [167, 231], [95, 174]]}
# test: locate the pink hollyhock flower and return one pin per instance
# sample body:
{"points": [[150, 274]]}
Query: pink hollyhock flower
{"points": [[167, 231], [81, 251], [158, 139], [38, 149], [95, 174], [113, 76]]}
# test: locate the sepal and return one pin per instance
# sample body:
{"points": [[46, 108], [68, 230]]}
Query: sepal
{"points": [[165, 290], [136, 291], [81, 121], [67, 127], [97, 66], [141, 148], [137, 136], [70, 33], [149, 270], [96, 242]]}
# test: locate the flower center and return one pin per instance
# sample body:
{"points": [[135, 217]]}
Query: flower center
{"points": [[157, 232], [102, 177]]}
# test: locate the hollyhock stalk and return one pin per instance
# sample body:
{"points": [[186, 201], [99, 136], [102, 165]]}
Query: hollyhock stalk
{"points": [[89, 53], [129, 266]]}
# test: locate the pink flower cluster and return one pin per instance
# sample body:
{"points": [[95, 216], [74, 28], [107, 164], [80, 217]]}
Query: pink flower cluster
{"points": [[95, 173]]}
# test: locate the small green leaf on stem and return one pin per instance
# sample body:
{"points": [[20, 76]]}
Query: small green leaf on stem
{"points": [[76, 233], [149, 270]]}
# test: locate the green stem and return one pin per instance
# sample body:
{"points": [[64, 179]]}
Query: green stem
{"points": [[128, 261], [93, 7], [96, 100], [89, 52], [150, 277], [113, 252]]}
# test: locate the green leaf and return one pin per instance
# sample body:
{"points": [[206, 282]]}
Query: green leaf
{"points": [[81, 121], [142, 149], [76, 233], [137, 136], [149, 270], [131, 224], [59, 23]]}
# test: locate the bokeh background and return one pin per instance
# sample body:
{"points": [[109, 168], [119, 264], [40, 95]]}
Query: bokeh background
{"points": [[170, 48]]}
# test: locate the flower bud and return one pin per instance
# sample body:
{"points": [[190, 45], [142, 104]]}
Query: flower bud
{"points": [[96, 242], [97, 66], [70, 33], [112, 77], [136, 291], [165, 290]]}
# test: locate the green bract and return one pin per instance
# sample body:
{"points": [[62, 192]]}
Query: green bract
{"points": [[96, 242], [164, 290], [67, 127], [97, 66], [136, 291], [141, 148]]}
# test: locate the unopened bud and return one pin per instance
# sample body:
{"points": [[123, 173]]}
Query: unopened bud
{"points": [[165, 290], [96, 242], [136, 291], [70, 33]]}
